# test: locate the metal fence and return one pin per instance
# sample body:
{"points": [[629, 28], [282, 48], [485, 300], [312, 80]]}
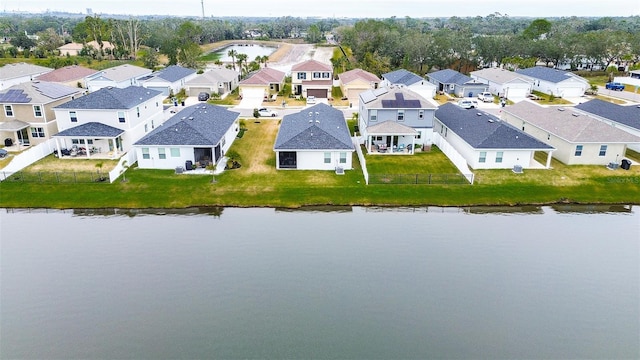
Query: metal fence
{"points": [[419, 179], [57, 177]]}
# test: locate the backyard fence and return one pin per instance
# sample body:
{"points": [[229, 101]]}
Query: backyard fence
{"points": [[56, 177], [419, 179]]}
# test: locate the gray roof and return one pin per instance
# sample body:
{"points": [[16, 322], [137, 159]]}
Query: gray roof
{"points": [[448, 76], [402, 76], [485, 131], [173, 73], [547, 74], [196, 125], [394, 98], [499, 76], [16, 70], [36, 92], [91, 129], [213, 77], [112, 98], [627, 115], [569, 125], [324, 129], [121, 73]]}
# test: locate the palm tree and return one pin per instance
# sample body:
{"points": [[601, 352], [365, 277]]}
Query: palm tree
{"points": [[242, 58], [232, 53]]}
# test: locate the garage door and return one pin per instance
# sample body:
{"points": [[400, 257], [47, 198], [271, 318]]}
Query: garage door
{"points": [[194, 91], [319, 93], [251, 98], [572, 92], [516, 94]]}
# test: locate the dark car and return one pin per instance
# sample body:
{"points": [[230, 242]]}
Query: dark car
{"points": [[3, 153], [203, 96]]}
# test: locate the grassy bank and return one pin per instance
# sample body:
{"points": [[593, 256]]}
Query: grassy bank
{"points": [[257, 183]]}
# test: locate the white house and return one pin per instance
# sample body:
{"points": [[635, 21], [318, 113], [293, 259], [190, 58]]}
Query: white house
{"points": [[355, 81], [219, 81], [626, 118], [18, 73], [312, 78], [119, 76], [316, 138], [485, 141], [504, 83], [456, 83], [413, 82], [555, 82], [198, 135], [580, 139], [109, 120], [169, 80]]}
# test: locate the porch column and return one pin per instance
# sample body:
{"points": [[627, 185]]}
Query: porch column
{"points": [[549, 159], [58, 148], [86, 148]]}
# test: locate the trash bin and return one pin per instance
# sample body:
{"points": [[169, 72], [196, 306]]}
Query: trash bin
{"points": [[188, 165], [182, 102], [8, 142], [626, 164]]}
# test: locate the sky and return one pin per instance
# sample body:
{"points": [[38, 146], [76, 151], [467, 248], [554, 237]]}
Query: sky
{"points": [[334, 8]]}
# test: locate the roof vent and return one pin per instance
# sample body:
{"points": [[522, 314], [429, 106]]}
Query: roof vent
{"points": [[576, 115], [190, 117], [490, 120], [561, 109], [479, 114]]}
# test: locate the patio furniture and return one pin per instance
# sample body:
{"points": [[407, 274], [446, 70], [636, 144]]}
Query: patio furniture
{"points": [[188, 165]]}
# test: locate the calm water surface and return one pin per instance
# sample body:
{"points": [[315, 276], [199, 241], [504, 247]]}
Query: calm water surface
{"points": [[250, 50], [361, 283]]}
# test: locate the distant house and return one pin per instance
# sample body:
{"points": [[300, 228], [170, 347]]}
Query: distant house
{"points": [[262, 84], [218, 81], [453, 82], [485, 141], [504, 83], [169, 80], [415, 83], [200, 134], [580, 139], [555, 82], [109, 120], [73, 75], [18, 73], [355, 81], [395, 120], [316, 138], [625, 118], [119, 76], [312, 78], [28, 117], [74, 49]]}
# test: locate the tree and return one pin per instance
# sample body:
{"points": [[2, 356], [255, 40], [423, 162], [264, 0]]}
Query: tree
{"points": [[21, 40], [49, 40], [189, 54], [232, 54], [537, 28], [242, 59], [314, 35], [149, 57], [129, 35]]}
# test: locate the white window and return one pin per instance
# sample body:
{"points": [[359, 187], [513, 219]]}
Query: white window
{"points": [[603, 150], [327, 158], [138, 110], [499, 155], [175, 152], [8, 110], [145, 153], [483, 156], [326, 75], [317, 75], [161, 153], [374, 115], [37, 132], [73, 116], [420, 114], [302, 76], [37, 110], [121, 116], [578, 150], [400, 115], [343, 158]]}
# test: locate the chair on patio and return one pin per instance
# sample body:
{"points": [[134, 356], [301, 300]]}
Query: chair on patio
{"points": [[401, 148]]}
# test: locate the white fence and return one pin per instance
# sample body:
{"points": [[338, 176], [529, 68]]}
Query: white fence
{"points": [[126, 160], [453, 155], [27, 158], [363, 162]]}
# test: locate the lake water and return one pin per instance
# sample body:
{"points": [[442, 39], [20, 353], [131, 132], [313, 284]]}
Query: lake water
{"points": [[251, 50], [360, 283]]}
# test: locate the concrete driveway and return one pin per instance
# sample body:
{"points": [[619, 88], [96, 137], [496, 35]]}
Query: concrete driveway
{"points": [[251, 99]]}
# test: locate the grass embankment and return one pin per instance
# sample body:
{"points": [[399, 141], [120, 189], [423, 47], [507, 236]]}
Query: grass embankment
{"points": [[257, 183]]}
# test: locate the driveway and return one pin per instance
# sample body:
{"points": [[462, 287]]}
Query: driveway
{"points": [[624, 95], [251, 99]]}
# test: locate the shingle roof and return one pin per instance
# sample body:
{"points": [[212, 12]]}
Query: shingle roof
{"points": [[122, 73], [627, 115], [173, 73], [36, 92], [448, 76], [94, 129], [402, 76], [196, 125], [264, 76], [67, 73], [112, 98], [324, 129], [356, 74], [311, 65], [548, 74], [12, 71], [213, 77], [485, 131], [394, 98], [563, 123], [499, 76], [391, 127]]}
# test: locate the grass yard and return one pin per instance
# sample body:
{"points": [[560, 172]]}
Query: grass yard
{"points": [[425, 162]]}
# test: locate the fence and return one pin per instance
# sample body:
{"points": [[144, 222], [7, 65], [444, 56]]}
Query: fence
{"points": [[363, 162], [420, 179], [27, 158], [58, 177], [126, 160], [454, 156]]}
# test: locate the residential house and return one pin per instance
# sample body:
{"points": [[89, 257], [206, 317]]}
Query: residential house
{"points": [[486, 142], [580, 139], [355, 81], [18, 73], [28, 117], [413, 82], [218, 81], [199, 135], [452, 82], [110, 120], [121, 76], [73, 75], [555, 82], [169, 80], [262, 84], [504, 83], [395, 120], [316, 138], [625, 118], [74, 49], [312, 78]]}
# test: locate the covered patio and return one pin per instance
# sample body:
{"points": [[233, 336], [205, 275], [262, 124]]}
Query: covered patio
{"points": [[391, 138], [15, 135], [91, 140]]}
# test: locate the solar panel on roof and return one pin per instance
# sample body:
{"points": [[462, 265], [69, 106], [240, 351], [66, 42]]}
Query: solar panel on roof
{"points": [[367, 96], [380, 91], [14, 96], [53, 91]]}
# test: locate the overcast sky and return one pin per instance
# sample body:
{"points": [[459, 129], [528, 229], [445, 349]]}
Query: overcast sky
{"points": [[334, 8]]}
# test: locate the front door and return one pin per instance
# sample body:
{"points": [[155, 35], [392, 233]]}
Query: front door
{"points": [[23, 137]]}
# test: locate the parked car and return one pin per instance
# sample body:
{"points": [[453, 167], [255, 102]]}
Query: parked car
{"points": [[468, 104], [203, 96], [3, 153], [311, 99], [485, 96], [533, 97], [267, 112], [614, 86]]}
